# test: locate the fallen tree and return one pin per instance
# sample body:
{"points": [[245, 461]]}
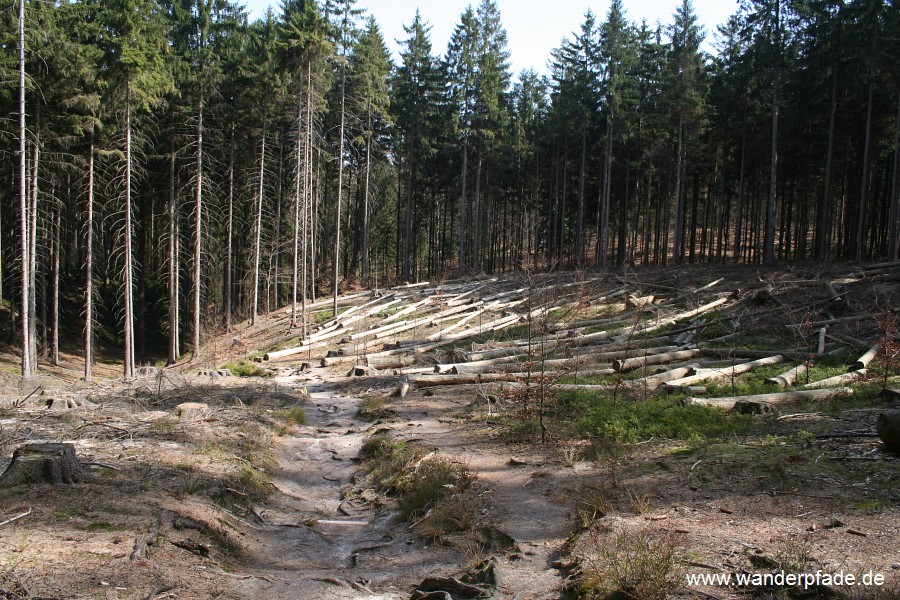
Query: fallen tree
{"points": [[764, 402]]}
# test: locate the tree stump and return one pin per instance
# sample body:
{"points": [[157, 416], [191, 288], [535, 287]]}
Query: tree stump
{"points": [[43, 463], [889, 429]]}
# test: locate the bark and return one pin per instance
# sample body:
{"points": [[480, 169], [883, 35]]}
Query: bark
{"points": [[89, 270], [773, 399], [825, 203], [364, 274], [769, 241], [257, 232], [893, 252], [54, 340], [229, 232], [677, 251], [340, 183], [198, 233], [174, 350], [725, 374], [863, 361], [789, 377], [838, 379], [42, 463], [628, 364], [129, 291], [864, 191]]}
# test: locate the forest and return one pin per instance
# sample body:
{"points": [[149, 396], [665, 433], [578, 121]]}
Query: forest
{"points": [[173, 168]]}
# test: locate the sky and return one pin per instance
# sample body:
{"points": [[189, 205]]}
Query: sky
{"points": [[533, 27]]}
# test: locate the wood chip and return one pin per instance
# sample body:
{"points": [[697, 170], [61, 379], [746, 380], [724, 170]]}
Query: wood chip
{"points": [[727, 511], [857, 532]]}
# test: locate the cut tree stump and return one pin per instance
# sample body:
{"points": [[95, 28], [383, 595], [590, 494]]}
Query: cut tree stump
{"points": [[888, 427], [43, 463]]}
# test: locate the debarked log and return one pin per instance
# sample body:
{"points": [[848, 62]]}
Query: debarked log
{"points": [[763, 402], [654, 359]]}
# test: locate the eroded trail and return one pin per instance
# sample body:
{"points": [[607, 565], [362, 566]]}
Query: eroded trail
{"points": [[323, 534], [320, 538]]}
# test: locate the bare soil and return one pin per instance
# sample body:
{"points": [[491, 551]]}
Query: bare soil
{"points": [[252, 505]]}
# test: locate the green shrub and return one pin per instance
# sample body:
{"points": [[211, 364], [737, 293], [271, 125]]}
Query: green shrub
{"points": [[294, 415], [242, 368]]}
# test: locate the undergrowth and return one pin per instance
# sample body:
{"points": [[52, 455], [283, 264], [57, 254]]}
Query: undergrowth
{"points": [[428, 486], [242, 368]]}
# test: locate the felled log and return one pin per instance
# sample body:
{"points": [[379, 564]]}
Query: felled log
{"points": [[628, 364], [727, 353], [721, 374], [390, 362], [297, 350], [654, 381], [633, 302], [836, 299], [42, 463], [423, 381], [764, 401], [888, 427], [838, 379], [863, 361], [789, 377], [653, 326]]}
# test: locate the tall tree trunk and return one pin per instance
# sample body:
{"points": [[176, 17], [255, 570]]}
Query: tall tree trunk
{"points": [[340, 184], [476, 218], [603, 257], [579, 234], [462, 205], [893, 252], [229, 243], [302, 140], [198, 233], [129, 288], [54, 313], [174, 350], [864, 191], [677, 246], [257, 230], [32, 237], [825, 202], [769, 241], [27, 363], [89, 270], [365, 215]]}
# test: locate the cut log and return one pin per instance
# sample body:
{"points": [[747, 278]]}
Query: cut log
{"points": [[423, 381], [838, 379], [43, 463], [665, 322], [635, 302], [728, 353], [789, 377], [652, 382], [721, 374], [888, 427], [837, 300], [773, 399], [629, 364], [391, 362], [863, 361], [297, 350]]}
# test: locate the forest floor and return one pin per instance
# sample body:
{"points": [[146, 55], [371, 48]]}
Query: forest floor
{"points": [[268, 488]]}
